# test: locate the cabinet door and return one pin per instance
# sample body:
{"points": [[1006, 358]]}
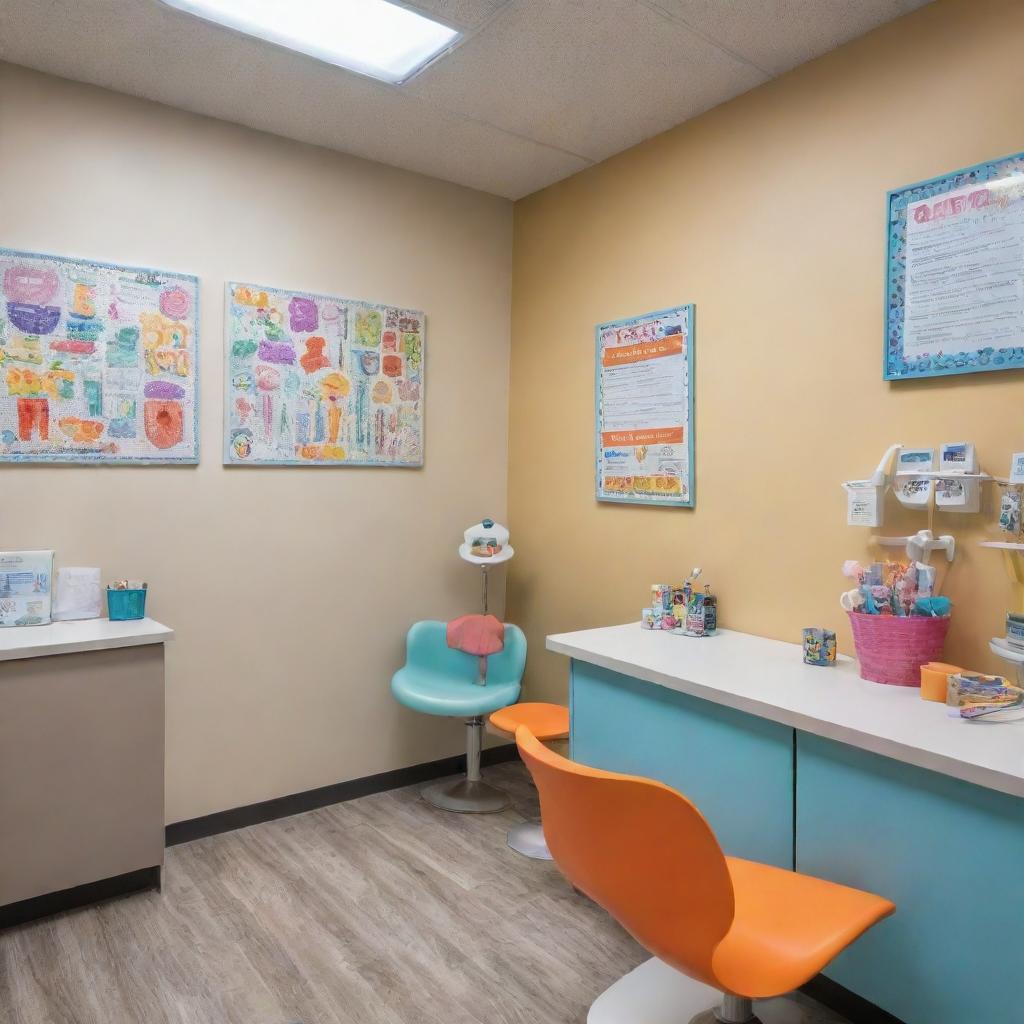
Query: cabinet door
{"points": [[737, 769], [81, 769], [947, 853]]}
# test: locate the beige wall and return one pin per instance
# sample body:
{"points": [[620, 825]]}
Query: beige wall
{"points": [[290, 589], [769, 214]]}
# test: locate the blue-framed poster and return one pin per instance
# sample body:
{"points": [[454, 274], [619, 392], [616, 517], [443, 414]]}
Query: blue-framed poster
{"points": [[955, 273], [644, 404], [99, 362]]}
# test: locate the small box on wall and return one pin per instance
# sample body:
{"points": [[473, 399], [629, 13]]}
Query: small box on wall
{"points": [[864, 503]]}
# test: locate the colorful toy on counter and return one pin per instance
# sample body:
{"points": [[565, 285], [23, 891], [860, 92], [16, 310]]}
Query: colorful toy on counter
{"points": [[819, 646], [682, 609], [661, 597], [893, 588], [972, 695]]}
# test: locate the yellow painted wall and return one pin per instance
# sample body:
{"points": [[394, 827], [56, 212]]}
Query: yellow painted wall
{"points": [[290, 589], [768, 213]]}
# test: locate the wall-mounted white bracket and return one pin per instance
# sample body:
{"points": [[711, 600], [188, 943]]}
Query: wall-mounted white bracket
{"points": [[951, 489], [1001, 648], [920, 545]]}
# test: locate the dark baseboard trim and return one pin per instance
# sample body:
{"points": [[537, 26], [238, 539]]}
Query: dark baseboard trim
{"points": [[846, 1003], [339, 792], [78, 896]]}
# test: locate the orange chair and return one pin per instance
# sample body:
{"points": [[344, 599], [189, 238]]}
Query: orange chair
{"points": [[546, 722], [643, 852]]}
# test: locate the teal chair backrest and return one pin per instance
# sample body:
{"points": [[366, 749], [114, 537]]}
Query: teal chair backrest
{"points": [[426, 647]]}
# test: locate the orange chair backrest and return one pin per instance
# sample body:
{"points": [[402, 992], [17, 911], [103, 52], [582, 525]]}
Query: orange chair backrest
{"points": [[639, 849]]}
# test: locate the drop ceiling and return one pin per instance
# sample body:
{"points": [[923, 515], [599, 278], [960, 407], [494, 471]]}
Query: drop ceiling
{"points": [[537, 89]]}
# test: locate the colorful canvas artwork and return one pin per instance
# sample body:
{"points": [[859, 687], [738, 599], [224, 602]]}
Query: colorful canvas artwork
{"points": [[98, 362], [314, 380]]}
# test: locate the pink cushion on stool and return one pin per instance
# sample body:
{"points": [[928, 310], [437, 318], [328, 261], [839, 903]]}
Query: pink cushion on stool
{"points": [[545, 721]]}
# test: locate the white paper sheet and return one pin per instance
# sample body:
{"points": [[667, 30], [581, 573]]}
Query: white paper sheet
{"points": [[78, 594]]}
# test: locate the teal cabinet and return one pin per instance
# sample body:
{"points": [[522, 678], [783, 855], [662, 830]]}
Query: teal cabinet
{"points": [[949, 854], [738, 769]]}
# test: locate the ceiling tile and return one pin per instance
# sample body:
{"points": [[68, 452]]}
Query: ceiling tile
{"points": [[468, 15], [588, 78], [179, 60], [538, 90], [779, 36]]}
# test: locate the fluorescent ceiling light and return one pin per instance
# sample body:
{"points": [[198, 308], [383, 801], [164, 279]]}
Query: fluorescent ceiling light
{"points": [[372, 37]]}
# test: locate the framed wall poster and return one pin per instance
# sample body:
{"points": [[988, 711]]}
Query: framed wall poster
{"points": [[644, 406], [955, 273], [316, 380], [98, 362]]}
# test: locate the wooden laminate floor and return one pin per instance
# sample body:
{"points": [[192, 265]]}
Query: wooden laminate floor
{"points": [[378, 911]]}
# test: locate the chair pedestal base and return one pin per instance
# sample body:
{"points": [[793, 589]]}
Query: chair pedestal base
{"points": [[528, 839], [470, 794], [467, 796], [655, 993]]}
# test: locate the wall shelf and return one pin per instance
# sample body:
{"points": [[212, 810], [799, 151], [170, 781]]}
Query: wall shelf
{"points": [[1001, 647], [931, 474]]}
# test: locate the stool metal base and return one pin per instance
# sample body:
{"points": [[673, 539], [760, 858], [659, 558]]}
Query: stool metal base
{"points": [[467, 796], [655, 993], [733, 1010], [528, 839], [713, 1017]]}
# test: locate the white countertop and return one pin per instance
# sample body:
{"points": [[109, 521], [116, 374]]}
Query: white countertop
{"points": [[80, 635], [768, 678]]}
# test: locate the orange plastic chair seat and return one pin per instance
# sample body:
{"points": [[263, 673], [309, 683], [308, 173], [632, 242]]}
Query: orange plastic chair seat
{"points": [[643, 852], [545, 721], [787, 927]]}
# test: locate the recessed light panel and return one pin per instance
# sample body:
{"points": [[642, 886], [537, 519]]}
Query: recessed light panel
{"points": [[371, 37]]}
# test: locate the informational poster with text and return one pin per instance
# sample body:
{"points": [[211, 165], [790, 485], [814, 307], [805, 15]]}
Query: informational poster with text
{"points": [[645, 409], [956, 273]]}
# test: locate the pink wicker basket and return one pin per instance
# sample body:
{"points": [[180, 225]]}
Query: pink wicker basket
{"points": [[891, 649]]}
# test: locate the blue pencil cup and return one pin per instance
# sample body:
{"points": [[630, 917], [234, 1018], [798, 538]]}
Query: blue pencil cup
{"points": [[126, 604]]}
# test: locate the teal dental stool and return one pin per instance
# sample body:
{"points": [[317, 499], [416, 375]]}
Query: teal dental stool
{"points": [[437, 680]]}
